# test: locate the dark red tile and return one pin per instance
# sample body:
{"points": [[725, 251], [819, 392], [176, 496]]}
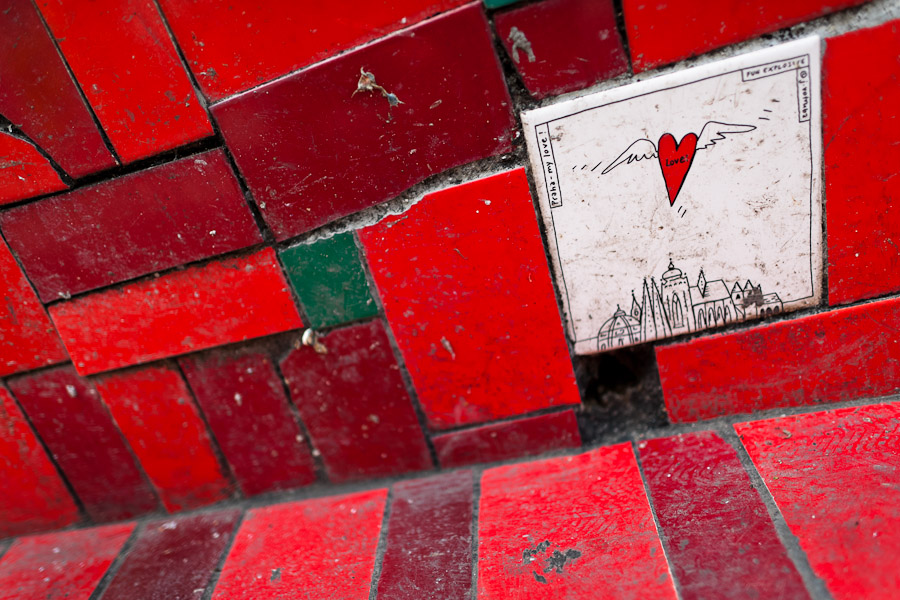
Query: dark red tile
{"points": [[590, 51], [834, 477], [44, 102], [57, 566], [455, 109], [231, 48], [500, 441], [173, 559], [859, 96], [829, 357], [354, 403], [155, 412], [466, 289], [34, 496], [27, 337], [152, 220], [129, 70], [572, 527], [721, 541], [217, 303], [26, 172], [666, 32], [246, 408], [428, 550], [68, 415], [323, 548]]}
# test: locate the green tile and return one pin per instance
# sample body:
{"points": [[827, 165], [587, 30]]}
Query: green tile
{"points": [[498, 3], [328, 277]]}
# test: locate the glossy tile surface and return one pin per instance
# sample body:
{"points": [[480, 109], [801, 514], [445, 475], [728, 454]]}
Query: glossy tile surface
{"points": [[26, 172]]}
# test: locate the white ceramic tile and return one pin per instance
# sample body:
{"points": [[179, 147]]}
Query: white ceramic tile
{"points": [[687, 201]]}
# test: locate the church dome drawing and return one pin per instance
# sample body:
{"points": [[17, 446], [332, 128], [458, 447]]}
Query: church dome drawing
{"points": [[619, 330]]}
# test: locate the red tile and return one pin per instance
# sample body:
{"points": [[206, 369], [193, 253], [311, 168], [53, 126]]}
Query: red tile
{"points": [[173, 559], [666, 32], [721, 541], [34, 497], [209, 305], [245, 405], [129, 70], [354, 403], [155, 412], [152, 220], [323, 548], [428, 551], [572, 527], [68, 415], [58, 566], [834, 477], [25, 171], [860, 94], [500, 441], [27, 337], [231, 50], [44, 102], [467, 292], [455, 109], [590, 51]]}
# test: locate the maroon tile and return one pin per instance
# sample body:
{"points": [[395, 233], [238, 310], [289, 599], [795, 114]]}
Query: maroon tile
{"points": [[166, 216], [455, 109], [355, 405], [68, 415], [500, 441], [429, 541], [44, 102], [721, 541], [26, 172], [173, 559], [248, 412], [590, 51]]}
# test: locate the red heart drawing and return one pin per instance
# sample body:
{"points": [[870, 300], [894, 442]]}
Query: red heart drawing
{"points": [[675, 160]]}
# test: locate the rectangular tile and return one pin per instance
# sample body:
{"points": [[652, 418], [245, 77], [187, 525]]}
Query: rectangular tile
{"points": [[148, 221], [217, 303], [355, 405], [465, 286], [68, 415], [721, 541], [155, 412], [828, 357], [414, 119], [247, 410], [323, 547], [500, 441], [26, 172], [572, 527], [834, 477]]}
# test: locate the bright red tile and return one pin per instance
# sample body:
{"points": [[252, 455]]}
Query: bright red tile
{"points": [[860, 94], [500, 441], [247, 410], [590, 51], [455, 109], [324, 547], [666, 32], [68, 415], [26, 172], [58, 566], [129, 70], [152, 220], [829, 357], [355, 406], [155, 412], [44, 102], [27, 337], [834, 477], [34, 496], [467, 293], [209, 305], [578, 527], [721, 540]]}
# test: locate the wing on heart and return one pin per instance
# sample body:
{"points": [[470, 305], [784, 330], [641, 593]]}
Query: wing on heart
{"points": [[716, 131], [638, 150]]}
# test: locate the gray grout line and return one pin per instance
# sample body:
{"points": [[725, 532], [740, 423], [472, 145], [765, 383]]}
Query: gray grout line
{"points": [[382, 545], [476, 506], [117, 562], [220, 564]]}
